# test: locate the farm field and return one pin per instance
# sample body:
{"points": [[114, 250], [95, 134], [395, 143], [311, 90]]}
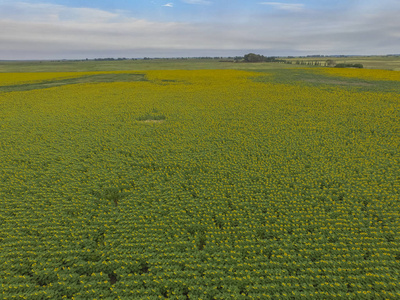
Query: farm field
{"points": [[128, 65], [269, 183], [369, 62]]}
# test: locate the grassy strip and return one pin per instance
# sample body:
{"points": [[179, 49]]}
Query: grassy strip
{"points": [[310, 77], [80, 80]]}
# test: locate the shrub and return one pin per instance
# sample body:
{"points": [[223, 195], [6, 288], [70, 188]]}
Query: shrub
{"points": [[344, 65]]}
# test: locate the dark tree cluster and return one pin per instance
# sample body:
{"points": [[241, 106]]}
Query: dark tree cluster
{"points": [[252, 57], [344, 65]]}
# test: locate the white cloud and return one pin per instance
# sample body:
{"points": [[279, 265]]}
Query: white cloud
{"points": [[44, 12], [55, 31], [285, 6], [197, 2], [168, 5]]}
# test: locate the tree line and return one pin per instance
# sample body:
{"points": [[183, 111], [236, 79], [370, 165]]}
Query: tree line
{"points": [[253, 58]]}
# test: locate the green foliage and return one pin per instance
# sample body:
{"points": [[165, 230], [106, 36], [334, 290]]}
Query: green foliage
{"points": [[330, 63], [347, 65], [95, 78], [151, 117], [251, 57]]}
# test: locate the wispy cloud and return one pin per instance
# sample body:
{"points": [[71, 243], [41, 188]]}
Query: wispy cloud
{"points": [[197, 2], [47, 12], [168, 5], [285, 6], [40, 31]]}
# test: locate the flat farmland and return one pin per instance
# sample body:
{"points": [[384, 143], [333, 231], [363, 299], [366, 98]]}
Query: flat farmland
{"points": [[270, 183], [370, 62]]}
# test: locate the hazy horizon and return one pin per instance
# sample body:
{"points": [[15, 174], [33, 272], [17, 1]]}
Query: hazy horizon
{"points": [[72, 29]]}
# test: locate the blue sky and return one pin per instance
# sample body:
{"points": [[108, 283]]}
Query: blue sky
{"points": [[56, 29]]}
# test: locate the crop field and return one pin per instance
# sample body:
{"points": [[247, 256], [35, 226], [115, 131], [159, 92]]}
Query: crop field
{"points": [[200, 184], [370, 62]]}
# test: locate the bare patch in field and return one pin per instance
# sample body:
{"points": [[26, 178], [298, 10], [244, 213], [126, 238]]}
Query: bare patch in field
{"points": [[152, 117], [152, 121]]}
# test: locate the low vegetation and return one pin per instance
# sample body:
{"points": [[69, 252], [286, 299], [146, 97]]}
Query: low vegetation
{"points": [[359, 66], [280, 184], [154, 115]]}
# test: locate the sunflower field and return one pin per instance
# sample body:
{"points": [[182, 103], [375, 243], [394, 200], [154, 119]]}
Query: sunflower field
{"points": [[203, 184]]}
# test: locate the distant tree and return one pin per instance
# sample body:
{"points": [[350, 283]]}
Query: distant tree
{"points": [[251, 57], [344, 65], [330, 63], [270, 59]]}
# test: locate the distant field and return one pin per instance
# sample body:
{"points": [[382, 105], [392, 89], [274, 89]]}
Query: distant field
{"points": [[161, 64], [280, 182], [369, 62], [373, 62]]}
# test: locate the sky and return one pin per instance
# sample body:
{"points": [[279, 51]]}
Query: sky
{"points": [[79, 29]]}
